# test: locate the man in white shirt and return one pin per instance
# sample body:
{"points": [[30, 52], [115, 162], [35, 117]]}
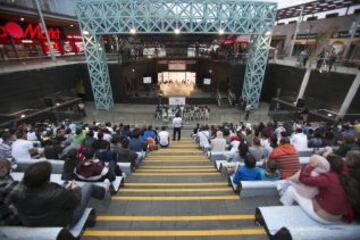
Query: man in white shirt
{"points": [[204, 138], [22, 148], [177, 124], [164, 138], [299, 140]]}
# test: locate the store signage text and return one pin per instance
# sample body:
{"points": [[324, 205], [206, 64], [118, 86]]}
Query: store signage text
{"points": [[32, 31]]}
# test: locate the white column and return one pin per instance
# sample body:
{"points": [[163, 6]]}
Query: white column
{"points": [[296, 32], [350, 96], [44, 28], [305, 81]]}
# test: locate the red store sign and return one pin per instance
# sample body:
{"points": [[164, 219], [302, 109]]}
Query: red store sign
{"points": [[31, 31]]}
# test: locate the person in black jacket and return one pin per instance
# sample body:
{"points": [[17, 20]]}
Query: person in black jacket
{"points": [[41, 203]]}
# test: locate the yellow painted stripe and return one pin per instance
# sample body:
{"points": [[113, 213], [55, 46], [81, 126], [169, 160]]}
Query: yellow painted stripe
{"points": [[187, 150], [178, 233], [177, 190], [176, 174], [175, 157], [175, 170], [176, 218], [176, 167], [176, 160], [177, 184], [176, 198]]}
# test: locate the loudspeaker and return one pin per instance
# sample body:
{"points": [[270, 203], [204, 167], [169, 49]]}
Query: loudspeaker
{"points": [[300, 103]]}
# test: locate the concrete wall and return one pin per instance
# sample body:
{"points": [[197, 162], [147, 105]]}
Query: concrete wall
{"points": [[27, 89]]}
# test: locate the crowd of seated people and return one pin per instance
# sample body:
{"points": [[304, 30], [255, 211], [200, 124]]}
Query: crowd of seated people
{"points": [[90, 153], [187, 112], [327, 188]]}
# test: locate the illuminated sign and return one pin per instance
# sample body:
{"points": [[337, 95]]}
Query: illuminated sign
{"points": [[31, 31]]}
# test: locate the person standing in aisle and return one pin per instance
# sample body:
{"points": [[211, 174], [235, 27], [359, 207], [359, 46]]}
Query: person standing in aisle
{"points": [[247, 111], [177, 124]]}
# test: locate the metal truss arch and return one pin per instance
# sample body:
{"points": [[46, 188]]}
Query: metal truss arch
{"points": [[99, 17]]}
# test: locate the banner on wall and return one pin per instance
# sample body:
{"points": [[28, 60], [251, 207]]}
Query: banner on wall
{"points": [[173, 101]]}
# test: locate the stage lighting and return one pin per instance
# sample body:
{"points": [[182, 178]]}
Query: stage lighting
{"points": [[23, 116], [177, 31], [268, 33], [329, 115], [221, 31], [133, 31], [85, 32]]}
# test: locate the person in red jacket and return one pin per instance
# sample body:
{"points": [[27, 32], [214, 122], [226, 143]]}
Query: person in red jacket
{"points": [[286, 158], [331, 203]]}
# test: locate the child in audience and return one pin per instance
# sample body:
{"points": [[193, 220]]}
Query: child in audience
{"points": [[248, 172], [271, 172]]}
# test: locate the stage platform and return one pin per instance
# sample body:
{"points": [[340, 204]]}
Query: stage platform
{"points": [[141, 114]]}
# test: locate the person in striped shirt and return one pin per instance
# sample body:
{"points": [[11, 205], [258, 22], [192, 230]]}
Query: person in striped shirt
{"points": [[286, 158]]}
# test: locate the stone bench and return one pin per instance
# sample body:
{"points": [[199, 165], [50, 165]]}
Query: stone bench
{"points": [[291, 222], [248, 189], [57, 165], [48, 233], [56, 178]]}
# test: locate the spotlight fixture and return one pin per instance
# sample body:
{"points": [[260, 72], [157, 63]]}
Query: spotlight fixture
{"points": [[268, 33], [133, 31], [221, 31], [71, 25], [329, 115], [85, 32], [22, 19], [177, 31], [23, 116], [57, 104]]}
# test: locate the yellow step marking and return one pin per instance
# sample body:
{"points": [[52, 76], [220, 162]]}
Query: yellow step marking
{"points": [[176, 174], [178, 156], [176, 218], [177, 184], [176, 198], [159, 190], [175, 170], [176, 160], [177, 233], [176, 167]]}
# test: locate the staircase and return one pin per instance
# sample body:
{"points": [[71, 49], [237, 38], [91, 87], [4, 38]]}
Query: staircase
{"points": [[176, 194]]}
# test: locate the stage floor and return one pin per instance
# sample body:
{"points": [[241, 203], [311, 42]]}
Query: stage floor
{"points": [[177, 91], [144, 115]]}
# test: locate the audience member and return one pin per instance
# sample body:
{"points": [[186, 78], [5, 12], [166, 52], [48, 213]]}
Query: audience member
{"points": [[92, 169], [331, 203], [270, 172], [248, 172], [41, 203], [22, 148], [8, 213], [164, 138], [218, 143], [286, 158]]}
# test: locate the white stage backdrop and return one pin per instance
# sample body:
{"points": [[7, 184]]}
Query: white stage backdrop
{"points": [[173, 101]]}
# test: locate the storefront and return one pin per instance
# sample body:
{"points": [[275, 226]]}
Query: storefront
{"points": [[27, 40]]}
